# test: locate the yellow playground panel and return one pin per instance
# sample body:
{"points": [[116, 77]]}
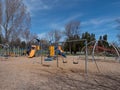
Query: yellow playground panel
{"points": [[34, 48], [52, 51], [38, 47], [32, 53]]}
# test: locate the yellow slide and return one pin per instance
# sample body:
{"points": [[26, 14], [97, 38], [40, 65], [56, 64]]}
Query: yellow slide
{"points": [[32, 53]]}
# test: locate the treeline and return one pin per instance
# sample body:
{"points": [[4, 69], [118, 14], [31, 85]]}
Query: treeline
{"points": [[77, 46], [74, 40], [15, 25]]}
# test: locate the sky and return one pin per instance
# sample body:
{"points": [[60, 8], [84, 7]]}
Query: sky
{"points": [[95, 16]]}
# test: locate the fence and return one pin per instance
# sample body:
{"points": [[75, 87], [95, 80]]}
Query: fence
{"points": [[14, 52]]}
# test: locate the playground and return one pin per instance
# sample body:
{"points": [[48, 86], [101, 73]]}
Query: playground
{"points": [[23, 73], [59, 45], [50, 67]]}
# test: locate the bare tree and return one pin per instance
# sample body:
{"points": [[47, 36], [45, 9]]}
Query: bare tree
{"points": [[72, 29], [28, 36], [72, 32], [16, 19], [49, 36], [54, 35], [33, 37], [57, 35]]}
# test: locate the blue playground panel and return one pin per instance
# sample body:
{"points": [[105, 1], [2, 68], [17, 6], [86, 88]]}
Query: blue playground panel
{"points": [[63, 54]]}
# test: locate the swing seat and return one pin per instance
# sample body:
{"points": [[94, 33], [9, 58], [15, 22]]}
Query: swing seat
{"points": [[49, 59], [64, 61], [75, 62]]}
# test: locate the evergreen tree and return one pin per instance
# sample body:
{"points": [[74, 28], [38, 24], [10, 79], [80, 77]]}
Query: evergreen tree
{"points": [[105, 42], [100, 38], [0, 39], [105, 37]]}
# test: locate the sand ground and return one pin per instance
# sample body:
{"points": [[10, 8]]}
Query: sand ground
{"points": [[22, 73]]}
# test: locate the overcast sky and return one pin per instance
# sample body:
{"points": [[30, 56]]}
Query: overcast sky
{"points": [[96, 16]]}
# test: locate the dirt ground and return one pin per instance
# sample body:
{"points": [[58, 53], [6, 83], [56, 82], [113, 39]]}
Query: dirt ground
{"points": [[22, 73]]}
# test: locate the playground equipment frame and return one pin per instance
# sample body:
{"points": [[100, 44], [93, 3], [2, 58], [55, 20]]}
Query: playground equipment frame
{"points": [[86, 53], [96, 42]]}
